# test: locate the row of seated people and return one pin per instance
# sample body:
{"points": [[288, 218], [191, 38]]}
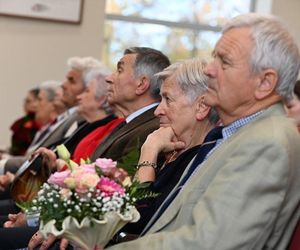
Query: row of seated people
{"points": [[59, 113], [74, 86], [225, 169], [177, 79], [92, 105], [24, 129], [27, 129]]}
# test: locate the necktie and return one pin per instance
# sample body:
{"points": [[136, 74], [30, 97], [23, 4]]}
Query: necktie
{"points": [[40, 136], [43, 134], [208, 144]]}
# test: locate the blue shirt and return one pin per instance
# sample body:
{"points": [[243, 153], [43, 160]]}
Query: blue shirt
{"points": [[230, 130]]}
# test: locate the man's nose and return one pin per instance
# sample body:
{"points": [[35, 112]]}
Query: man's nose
{"points": [[210, 69], [109, 79], [158, 111]]}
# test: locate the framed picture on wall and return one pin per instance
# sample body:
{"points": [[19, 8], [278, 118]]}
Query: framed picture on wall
{"points": [[69, 11]]}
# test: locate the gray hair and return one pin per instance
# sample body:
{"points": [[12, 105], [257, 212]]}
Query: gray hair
{"points": [[274, 47], [99, 75], [190, 78], [84, 65], [50, 87], [149, 62]]}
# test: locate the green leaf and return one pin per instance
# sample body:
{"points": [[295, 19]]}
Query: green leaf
{"points": [[140, 191], [129, 161], [98, 170], [24, 205]]}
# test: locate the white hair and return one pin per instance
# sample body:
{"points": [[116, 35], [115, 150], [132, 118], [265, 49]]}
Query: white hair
{"points": [[190, 78], [274, 47], [50, 87], [84, 65], [99, 74]]}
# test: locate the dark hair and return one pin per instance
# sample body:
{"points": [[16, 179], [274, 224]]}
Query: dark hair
{"points": [[149, 62], [34, 92], [297, 89]]}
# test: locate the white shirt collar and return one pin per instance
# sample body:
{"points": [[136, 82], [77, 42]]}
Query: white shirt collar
{"points": [[66, 113], [139, 112], [72, 110]]}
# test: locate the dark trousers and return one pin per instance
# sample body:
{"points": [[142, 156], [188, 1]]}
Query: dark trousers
{"points": [[8, 207], [15, 238]]}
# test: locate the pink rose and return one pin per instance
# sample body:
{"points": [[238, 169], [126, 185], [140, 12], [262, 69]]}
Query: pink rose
{"points": [[70, 182], [87, 181], [75, 177], [78, 173], [59, 177], [108, 187], [88, 168], [106, 165]]}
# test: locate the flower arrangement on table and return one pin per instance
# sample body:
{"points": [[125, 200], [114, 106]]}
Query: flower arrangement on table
{"points": [[87, 204]]}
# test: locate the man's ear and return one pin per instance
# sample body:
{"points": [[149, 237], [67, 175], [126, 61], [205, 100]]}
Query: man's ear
{"points": [[143, 85], [202, 109], [267, 84]]}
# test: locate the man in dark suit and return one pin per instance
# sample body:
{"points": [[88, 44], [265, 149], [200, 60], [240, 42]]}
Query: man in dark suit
{"points": [[134, 92]]}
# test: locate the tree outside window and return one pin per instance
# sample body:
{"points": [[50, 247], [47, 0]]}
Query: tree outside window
{"points": [[180, 29]]}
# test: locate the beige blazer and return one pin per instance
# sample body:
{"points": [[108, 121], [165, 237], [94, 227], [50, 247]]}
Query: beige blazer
{"points": [[245, 195]]}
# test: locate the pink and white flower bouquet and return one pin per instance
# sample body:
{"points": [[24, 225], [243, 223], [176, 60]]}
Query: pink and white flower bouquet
{"points": [[87, 204]]}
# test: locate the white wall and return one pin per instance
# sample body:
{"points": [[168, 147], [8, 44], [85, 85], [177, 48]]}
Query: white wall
{"points": [[32, 51], [288, 11]]}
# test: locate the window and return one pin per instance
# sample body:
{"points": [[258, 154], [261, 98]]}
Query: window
{"points": [[180, 29]]}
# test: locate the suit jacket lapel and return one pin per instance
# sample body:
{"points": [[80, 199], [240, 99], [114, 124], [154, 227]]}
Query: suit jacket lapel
{"points": [[111, 138], [58, 133], [172, 210]]}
